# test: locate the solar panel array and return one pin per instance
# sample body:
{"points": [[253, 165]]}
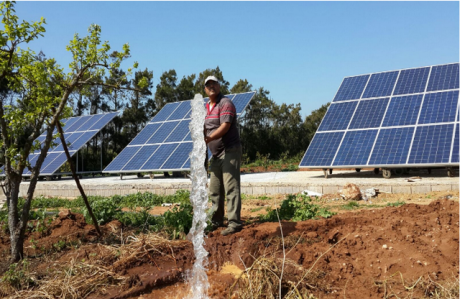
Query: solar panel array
{"points": [[399, 118], [165, 142], [77, 131]]}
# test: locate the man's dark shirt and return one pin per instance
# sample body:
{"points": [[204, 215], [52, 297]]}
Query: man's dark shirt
{"points": [[222, 112]]}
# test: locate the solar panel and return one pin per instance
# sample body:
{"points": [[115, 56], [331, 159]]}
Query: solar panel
{"points": [[351, 88], [77, 131], [403, 118], [165, 143], [338, 116]]}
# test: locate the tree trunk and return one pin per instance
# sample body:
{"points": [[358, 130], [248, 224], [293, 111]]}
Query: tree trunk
{"points": [[16, 231]]}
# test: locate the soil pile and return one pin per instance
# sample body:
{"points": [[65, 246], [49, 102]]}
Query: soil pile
{"points": [[370, 253]]}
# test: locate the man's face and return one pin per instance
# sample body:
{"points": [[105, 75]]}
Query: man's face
{"points": [[212, 88]]}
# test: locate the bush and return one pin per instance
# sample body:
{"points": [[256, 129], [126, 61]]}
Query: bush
{"points": [[104, 209], [297, 208]]}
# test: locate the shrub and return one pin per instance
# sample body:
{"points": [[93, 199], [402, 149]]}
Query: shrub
{"points": [[297, 208]]}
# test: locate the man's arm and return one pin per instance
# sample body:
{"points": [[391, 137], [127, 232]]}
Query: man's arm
{"points": [[221, 131]]}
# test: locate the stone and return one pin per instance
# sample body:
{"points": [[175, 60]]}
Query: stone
{"points": [[351, 192]]}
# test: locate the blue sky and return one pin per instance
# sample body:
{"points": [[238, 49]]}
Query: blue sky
{"points": [[299, 51]]}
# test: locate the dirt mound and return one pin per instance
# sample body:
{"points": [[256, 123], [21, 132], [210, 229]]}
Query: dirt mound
{"points": [[370, 253], [372, 246]]}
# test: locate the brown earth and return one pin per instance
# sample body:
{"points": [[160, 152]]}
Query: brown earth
{"points": [[371, 252]]}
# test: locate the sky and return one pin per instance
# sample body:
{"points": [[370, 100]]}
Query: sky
{"points": [[298, 51]]}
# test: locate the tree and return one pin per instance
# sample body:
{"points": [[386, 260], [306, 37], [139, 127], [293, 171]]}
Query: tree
{"points": [[43, 91], [166, 89], [185, 90], [256, 124], [241, 86], [312, 122], [141, 107]]}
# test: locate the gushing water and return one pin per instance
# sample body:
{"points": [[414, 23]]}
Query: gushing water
{"points": [[198, 280]]}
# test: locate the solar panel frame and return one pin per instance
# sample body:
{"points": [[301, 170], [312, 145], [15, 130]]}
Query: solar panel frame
{"points": [[170, 116], [75, 123], [421, 94]]}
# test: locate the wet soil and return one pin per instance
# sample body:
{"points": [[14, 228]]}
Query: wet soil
{"points": [[370, 252]]}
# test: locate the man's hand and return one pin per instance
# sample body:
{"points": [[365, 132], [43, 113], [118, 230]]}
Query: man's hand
{"points": [[221, 131]]}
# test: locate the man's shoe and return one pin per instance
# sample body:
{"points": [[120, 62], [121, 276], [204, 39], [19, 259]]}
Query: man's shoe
{"points": [[230, 230], [216, 225]]}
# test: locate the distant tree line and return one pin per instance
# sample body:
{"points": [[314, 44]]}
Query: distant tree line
{"points": [[266, 128]]}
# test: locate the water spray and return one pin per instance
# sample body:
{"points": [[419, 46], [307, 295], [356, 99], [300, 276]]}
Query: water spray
{"points": [[198, 279]]}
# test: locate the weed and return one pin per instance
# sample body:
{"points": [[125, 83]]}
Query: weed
{"points": [[104, 210], [60, 245], [256, 209], [350, 205], [297, 208], [396, 204], [18, 276]]}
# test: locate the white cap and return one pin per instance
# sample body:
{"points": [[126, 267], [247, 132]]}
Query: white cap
{"points": [[212, 78]]}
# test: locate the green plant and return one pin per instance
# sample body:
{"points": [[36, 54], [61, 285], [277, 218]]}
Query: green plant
{"points": [[178, 222], [61, 244], [256, 209], [396, 204], [297, 208], [18, 275], [104, 210], [350, 205]]}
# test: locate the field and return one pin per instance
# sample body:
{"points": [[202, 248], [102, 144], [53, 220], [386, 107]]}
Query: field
{"points": [[391, 246]]}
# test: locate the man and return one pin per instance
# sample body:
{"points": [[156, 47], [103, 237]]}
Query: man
{"points": [[223, 140]]}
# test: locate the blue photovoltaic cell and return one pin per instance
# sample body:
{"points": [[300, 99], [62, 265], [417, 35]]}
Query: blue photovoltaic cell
{"points": [[163, 132], [188, 137], [230, 96], [178, 158], [412, 81], [68, 123], [87, 125], [186, 164], [455, 149], [165, 112], [439, 107], [76, 125], [356, 147], [160, 156], [443, 77], [380, 85], [179, 132], [77, 131], [432, 144], [351, 88], [181, 111], [140, 157], [54, 165], [120, 161], [338, 116], [322, 149], [241, 101], [104, 120], [369, 114], [77, 144], [403, 111], [145, 134], [69, 138], [392, 146], [49, 159]]}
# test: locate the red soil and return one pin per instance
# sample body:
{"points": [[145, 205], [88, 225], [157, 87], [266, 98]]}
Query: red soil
{"points": [[372, 250]]}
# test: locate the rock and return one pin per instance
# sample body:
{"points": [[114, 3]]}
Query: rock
{"points": [[351, 192], [384, 246]]}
